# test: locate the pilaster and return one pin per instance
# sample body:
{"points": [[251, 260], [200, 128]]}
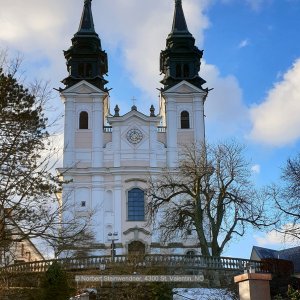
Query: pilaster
{"points": [[69, 132], [199, 125], [118, 207], [116, 140], [152, 146], [97, 207], [171, 132], [97, 151]]}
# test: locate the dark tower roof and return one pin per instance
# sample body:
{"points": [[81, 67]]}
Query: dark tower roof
{"points": [[179, 23], [85, 58], [86, 25], [181, 59]]}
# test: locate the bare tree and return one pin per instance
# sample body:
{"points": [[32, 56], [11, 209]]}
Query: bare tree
{"points": [[210, 193], [287, 199], [28, 183]]}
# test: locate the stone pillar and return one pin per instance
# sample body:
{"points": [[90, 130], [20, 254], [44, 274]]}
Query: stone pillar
{"points": [[97, 208], [254, 286], [97, 151], [171, 133], [152, 145], [118, 210], [199, 125], [116, 141], [69, 133]]}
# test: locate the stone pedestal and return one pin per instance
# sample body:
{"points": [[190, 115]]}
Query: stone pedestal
{"points": [[254, 286]]}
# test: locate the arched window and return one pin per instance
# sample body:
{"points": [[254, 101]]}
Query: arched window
{"points": [[85, 70], [84, 120], [136, 205], [88, 70], [178, 70], [81, 70], [185, 120], [190, 253], [186, 70]]}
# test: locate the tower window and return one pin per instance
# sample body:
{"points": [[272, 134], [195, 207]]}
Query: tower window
{"points": [[85, 70], [178, 70], [185, 120], [136, 205], [81, 70], [186, 70], [84, 120], [88, 70], [83, 204]]}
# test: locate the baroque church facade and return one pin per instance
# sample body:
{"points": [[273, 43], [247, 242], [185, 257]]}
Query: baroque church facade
{"points": [[108, 157]]}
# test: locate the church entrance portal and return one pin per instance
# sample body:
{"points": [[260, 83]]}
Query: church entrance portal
{"points": [[136, 248]]}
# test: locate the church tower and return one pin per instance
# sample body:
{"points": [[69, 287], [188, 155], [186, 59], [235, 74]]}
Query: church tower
{"points": [[109, 157], [85, 58], [182, 97]]}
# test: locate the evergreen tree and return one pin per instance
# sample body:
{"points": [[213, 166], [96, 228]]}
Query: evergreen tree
{"points": [[28, 182], [55, 284]]}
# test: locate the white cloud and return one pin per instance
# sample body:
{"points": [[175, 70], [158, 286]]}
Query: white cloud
{"points": [[255, 5], [141, 32], [33, 25], [244, 43], [255, 169], [276, 120], [226, 113], [136, 30], [40, 29], [276, 239]]}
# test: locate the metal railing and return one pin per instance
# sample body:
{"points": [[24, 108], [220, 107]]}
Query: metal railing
{"points": [[107, 129], [160, 129], [148, 260]]}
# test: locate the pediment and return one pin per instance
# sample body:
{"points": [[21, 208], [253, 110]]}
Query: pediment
{"points": [[133, 115], [83, 87], [137, 229], [184, 87]]}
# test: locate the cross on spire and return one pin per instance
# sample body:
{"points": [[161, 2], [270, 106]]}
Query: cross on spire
{"points": [[133, 100], [133, 107]]}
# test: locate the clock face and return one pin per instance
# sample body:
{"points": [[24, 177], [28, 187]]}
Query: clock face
{"points": [[134, 136]]}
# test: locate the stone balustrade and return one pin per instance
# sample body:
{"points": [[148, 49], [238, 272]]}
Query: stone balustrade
{"points": [[169, 261]]}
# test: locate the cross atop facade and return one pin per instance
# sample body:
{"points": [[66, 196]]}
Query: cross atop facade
{"points": [[133, 101]]}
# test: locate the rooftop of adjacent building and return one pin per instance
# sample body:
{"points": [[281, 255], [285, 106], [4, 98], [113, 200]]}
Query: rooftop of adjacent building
{"points": [[292, 254]]}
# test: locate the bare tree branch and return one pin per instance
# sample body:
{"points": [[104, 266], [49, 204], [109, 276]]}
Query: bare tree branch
{"points": [[286, 197], [210, 193]]}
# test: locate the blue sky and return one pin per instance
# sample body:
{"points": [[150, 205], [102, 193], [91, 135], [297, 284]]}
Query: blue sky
{"points": [[251, 59]]}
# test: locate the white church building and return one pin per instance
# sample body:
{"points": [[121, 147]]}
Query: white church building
{"points": [[108, 157]]}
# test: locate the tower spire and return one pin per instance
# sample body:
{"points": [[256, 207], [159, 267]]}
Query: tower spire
{"points": [[86, 23], [179, 23], [181, 59], [85, 58]]}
